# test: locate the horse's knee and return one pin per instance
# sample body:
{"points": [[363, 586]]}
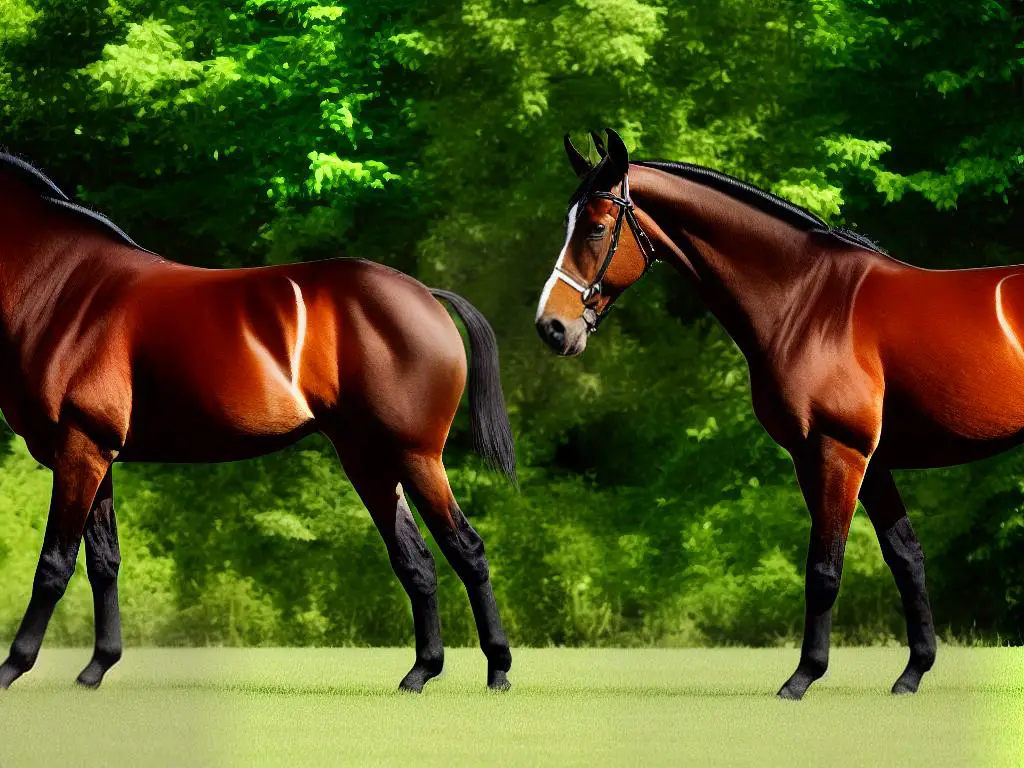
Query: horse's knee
{"points": [[53, 573], [103, 570], [102, 552], [824, 573], [823, 586], [901, 550]]}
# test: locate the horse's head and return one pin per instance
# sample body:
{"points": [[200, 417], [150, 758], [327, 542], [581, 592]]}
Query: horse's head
{"points": [[599, 259]]}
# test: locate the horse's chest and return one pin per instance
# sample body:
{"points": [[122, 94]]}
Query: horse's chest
{"points": [[824, 393], [779, 414], [29, 415]]}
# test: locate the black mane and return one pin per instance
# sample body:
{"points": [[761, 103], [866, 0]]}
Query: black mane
{"points": [[766, 202], [52, 194], [757, 198]]}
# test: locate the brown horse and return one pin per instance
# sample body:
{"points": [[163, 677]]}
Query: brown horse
{"points": [[114, 354], [859, 364]]}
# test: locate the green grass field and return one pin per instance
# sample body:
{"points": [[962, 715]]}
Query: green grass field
{"points": [[300, 707]]}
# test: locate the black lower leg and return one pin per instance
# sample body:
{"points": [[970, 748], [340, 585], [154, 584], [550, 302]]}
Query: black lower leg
{"points": [[902, 552], [903, 555], [56, 565], [464, 549], [824, 571], [103, 559], [414, 565], [493, 641]]}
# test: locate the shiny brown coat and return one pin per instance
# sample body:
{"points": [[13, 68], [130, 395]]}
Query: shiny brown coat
{"points": [[859, 364], [111, 353]]}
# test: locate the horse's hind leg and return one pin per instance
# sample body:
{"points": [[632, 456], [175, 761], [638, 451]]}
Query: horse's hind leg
{"points": [[79, 468], [427, 484], [103, 559], [375, 476], [902, 553], [830, 475]]}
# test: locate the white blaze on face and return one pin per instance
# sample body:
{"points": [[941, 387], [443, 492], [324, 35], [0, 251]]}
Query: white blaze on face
{"points": [[270, 365], [555, 273], [1010, 334]]}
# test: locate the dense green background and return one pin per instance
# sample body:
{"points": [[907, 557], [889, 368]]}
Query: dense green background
{"points": [[426, 134]]}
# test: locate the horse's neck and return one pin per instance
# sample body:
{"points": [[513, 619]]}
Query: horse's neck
{"points": [[38, 254], [748, 267]]}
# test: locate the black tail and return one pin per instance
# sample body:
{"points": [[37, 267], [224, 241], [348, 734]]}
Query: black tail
{"points": [[488, 419]]}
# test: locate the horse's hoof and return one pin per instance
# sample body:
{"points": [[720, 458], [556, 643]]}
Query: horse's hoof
{"points": [[421, 673], [790, 694], [498, 681], [795, 688], [89, 679], [904, 687], [9, 672], [908, 682]]}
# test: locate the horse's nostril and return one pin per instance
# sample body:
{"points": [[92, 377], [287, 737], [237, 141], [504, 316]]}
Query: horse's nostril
{"points": [[553, 333], [556, 333]]}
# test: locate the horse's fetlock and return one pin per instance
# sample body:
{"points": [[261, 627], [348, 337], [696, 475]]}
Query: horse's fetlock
{"points": [[108, 654], [22, 659], [431, 659], [923, 656], [815, 665], [499, 655]]}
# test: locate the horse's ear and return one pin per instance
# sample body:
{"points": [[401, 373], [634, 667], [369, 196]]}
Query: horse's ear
{"points": [[618, 155], [579, 163], [598, 143]]}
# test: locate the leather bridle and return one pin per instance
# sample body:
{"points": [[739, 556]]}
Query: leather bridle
{"points": [[591, 294]]}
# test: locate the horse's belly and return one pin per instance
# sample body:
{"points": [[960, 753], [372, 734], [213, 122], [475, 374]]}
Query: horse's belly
{"points": [[203, 447], [923, 446], [214, 420]]}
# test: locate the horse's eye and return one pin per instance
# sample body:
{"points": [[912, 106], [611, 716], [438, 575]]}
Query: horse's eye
{"points": [[597, 232]]}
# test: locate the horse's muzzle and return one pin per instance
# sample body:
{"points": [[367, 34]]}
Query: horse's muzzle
{"points": [[565, 340]]}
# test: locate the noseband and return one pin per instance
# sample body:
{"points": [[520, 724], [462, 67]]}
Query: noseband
{"points": [[591, 294]]}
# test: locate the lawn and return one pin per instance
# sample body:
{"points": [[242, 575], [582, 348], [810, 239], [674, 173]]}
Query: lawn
{"points": [[300, 707]]}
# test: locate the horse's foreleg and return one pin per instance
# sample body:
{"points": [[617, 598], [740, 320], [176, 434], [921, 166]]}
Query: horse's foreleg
{"points": [[79, 468], [103, 559], [903, 555], [375, 477], [830, 475], [427, 484]]}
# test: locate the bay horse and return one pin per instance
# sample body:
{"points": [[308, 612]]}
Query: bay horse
{"points": [[113, 354], [859, 364]]}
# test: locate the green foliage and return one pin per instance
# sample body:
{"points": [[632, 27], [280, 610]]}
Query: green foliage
{"points": [[427, 136]]}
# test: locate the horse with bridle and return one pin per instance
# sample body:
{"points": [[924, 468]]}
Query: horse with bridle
{"points": [[859, 364], [113, 354]]}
